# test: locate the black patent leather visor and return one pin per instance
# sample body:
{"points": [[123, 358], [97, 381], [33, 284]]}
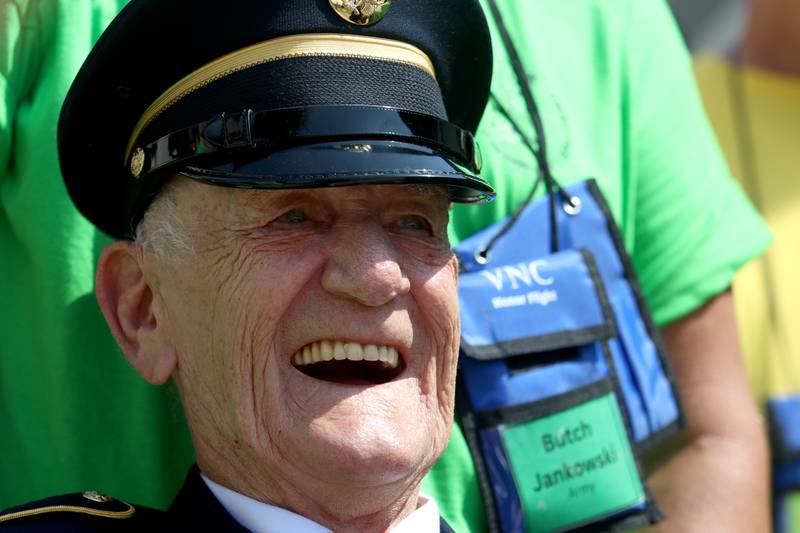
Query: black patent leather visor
{"points": [[338, 164]]}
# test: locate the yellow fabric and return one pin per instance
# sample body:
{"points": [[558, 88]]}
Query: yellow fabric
{"points": [[757, 117]]}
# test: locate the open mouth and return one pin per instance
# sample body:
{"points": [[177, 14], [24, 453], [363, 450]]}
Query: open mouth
{"points": [[349, 362]]}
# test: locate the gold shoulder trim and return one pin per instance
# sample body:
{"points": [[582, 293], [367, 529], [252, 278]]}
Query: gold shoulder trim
{"points": [[305, 45], [127, 513]]}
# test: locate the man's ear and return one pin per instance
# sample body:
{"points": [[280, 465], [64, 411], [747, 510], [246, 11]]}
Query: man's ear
{"points": [[129, 304]]}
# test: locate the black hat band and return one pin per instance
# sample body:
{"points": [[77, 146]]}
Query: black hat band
{"points": [[280, 129]]}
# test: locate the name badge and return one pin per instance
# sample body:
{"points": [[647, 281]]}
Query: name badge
{"points": [[574, 466], [540, 399]]}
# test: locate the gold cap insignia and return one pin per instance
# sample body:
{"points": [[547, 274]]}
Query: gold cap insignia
{"points": [[361, 12]]}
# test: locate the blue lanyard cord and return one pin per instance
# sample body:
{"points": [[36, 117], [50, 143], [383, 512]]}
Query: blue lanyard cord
{"points": [[539, 152]]}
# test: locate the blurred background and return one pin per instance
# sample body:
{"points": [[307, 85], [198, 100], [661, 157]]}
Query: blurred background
{"points": [[770, 101], [710, 24]]}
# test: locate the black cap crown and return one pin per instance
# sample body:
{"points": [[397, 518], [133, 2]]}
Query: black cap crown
{"points": [[276, 94]]}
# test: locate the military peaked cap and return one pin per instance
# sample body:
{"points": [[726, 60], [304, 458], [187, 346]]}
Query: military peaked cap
{"points": [[276, 94]]}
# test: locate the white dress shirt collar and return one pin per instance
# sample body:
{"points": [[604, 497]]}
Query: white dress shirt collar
{"points": [[260, 517]]}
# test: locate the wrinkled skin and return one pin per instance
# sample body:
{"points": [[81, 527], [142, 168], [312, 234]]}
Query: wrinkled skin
{"points": [[274, 271]]}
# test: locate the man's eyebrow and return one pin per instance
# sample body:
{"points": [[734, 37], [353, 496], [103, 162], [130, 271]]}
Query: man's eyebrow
{"points": [[254, 201], [257, 197], [260, 198], [427, 191]]}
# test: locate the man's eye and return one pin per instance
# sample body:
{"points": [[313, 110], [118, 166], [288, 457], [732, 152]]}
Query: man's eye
{"points": [[414, 223], [293, 216]]}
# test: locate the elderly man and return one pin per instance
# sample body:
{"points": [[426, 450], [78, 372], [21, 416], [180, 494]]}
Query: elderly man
{"points": [[282, 173]]}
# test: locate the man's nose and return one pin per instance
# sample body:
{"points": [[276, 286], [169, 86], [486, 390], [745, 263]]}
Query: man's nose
{"points": [[364, 266]]}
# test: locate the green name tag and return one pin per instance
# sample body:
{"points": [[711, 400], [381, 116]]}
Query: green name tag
{"points": [[573, 466]]}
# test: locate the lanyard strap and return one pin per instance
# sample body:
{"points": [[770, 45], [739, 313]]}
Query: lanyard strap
{"points": [[539, 150]]}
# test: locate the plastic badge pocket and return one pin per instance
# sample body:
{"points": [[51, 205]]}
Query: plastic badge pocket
{"points": [[575, 466], [552, 445]]}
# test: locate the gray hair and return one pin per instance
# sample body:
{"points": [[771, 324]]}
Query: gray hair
{"points": [[161, 230]]}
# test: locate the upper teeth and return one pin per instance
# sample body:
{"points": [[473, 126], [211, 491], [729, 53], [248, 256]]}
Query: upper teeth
{"points": [[319, 351]]}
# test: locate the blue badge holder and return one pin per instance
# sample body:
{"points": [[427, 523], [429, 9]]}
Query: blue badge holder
{"points": [[550, 327], [783, 416]]}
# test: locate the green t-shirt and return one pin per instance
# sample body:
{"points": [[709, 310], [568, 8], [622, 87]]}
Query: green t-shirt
{"points": [[73, 414], [615, 90], [614, 85]]}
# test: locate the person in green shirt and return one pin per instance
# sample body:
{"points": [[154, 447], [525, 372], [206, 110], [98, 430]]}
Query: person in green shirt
{"points": [[72, 413], [614, 85]]}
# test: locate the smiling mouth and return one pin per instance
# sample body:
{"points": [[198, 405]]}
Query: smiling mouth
{"points": [[349, 362]]}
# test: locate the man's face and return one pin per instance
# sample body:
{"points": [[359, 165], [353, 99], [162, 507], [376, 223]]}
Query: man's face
{"points": [[278, 274]]}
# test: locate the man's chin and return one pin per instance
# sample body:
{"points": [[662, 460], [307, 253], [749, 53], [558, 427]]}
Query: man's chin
{"points": [[357, 467], [370, 449], [361, 432]]}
